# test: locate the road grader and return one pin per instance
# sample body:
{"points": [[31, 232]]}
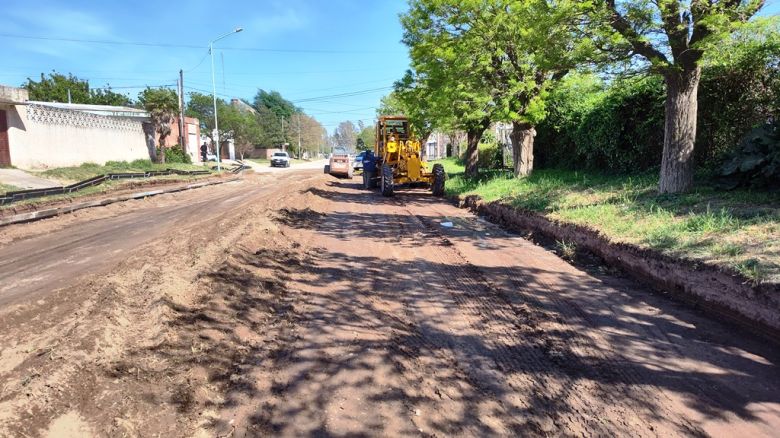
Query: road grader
{"points": [[397, 160]]}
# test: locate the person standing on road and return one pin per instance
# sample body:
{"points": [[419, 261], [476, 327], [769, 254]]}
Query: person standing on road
{"points": [[204, 150]]}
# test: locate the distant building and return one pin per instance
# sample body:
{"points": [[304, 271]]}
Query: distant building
{"points": [[435, 146], [50, 134], [243, 106]]}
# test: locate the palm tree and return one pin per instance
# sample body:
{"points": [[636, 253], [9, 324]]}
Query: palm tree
{"points": [[162, 105]]}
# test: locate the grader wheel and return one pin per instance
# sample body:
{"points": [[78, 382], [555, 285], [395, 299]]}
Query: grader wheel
{"points": [[387, 180]]}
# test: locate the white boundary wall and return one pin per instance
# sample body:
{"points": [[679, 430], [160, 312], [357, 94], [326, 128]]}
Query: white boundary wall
{"points": [[42, 137]]}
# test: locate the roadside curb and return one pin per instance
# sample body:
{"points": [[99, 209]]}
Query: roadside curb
{"points": [[51, 212], [716, 290]]}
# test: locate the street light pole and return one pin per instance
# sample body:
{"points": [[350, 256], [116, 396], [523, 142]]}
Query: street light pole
{"points": [[215, 134]]}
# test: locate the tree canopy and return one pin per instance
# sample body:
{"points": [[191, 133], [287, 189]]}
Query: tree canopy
{"points": [[55, 87]]}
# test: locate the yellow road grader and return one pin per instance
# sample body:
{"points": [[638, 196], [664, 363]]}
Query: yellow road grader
{"points": [[397, 159]]}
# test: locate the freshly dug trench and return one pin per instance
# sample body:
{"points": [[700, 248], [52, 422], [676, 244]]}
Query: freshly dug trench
{"points": [[719, 291]]}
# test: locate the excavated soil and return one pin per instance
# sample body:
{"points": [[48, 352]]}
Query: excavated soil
{"points": [[308, 307]]}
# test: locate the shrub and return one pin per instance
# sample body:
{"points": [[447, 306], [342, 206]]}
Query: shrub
{"points": [[490, 154], [176, 154], [619, 128], [756, 161]]}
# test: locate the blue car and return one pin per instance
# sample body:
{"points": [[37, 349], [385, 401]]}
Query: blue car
{"points": [[358, 163]]}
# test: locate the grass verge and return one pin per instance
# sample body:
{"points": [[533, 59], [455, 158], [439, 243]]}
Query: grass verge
{"points": [[739, 228], [8, 188], [106, 187], [69, 175]]}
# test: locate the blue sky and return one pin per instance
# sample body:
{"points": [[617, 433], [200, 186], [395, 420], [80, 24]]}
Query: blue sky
{"points": [[318, 48], [327, 48]]}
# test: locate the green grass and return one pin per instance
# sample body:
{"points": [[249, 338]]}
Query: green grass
{"points": [[68, 175], [8, 188], [739, 228], [105, 187]]}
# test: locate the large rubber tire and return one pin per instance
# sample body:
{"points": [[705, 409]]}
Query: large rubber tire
{"points": [[437, 186], [327, 168], [387, 180]]}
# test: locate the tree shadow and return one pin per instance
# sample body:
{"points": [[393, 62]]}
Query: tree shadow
{"points": [[479, 349]]}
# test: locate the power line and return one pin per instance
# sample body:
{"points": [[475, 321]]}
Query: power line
{"points": [[205, 55], [341, 95]]}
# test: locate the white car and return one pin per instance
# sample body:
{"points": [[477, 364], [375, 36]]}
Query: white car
{"points": [[280, 159]]}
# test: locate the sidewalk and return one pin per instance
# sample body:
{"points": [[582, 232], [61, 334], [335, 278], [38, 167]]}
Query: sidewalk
{"points": [[22, 179]]}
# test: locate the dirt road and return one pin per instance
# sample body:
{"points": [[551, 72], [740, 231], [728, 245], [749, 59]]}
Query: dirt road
{"points": [[304, 306]]}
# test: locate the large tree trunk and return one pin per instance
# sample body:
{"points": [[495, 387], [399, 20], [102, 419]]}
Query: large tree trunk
{"points": [[473, 136], [679, 130], [162, 149], [151, 142], [523, 148]]}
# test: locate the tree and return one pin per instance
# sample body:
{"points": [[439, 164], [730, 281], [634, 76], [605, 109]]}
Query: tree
{"points": [[345, 135], [413, 96], [281, 107], [451, 69], [311, 134], [238, 125], [201, 106], [368, 137], [514, 48], [55, 87], [672, 36], [162, 105]]}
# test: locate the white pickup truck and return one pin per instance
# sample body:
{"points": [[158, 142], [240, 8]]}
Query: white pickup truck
{"points": [[280, 159]]}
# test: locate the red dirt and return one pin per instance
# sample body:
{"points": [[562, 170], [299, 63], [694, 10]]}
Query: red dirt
{"points": [[311, 307], [722, 292]]}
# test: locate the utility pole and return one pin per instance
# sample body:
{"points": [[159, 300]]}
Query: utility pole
{"points": [[182, 140], [215, 134], [300, 154], [284, 137]]}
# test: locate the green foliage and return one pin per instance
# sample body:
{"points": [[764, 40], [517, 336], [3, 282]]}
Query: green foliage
{"points": [[162, 105], [176, 154], [368, 137], [89, 170], [201, 106], [739, 90], [490, 153], [54, 88], [756, 162], [619, 129], [670, 35], [279, 106]]}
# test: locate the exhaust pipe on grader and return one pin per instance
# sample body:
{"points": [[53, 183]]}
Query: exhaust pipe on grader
{"points": [[397, 159]]}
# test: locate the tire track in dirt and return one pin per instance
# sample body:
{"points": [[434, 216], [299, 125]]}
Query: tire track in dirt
{"points": [[108, 361], [579, 395]]}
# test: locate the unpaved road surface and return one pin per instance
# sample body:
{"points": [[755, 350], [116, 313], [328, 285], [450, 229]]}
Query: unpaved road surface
{"points": [[300, 305]]}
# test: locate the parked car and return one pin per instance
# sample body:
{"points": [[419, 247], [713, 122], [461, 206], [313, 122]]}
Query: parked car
{"points": [[280, 159], [358, 163]]}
